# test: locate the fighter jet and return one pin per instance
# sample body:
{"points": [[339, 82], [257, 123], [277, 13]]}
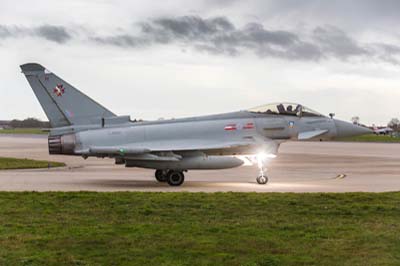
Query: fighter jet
{"points": [[83, 127]]}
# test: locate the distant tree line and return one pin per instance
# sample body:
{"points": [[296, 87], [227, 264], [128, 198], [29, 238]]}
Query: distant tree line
{"points": [[394, 124], [29, 123]]}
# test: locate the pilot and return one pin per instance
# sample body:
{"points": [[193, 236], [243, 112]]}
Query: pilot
{"points": [[281, 109], [269, 111], [298, 108], [289, 109]]}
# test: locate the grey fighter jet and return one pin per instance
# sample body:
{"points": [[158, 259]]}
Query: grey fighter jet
{"points": [[83, 127]]}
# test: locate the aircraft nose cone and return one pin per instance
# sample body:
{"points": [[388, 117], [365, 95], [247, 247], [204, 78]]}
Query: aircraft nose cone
{"points": [[346, 129]]}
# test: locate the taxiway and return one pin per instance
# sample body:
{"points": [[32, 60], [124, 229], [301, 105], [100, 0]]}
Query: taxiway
{"points": [[299, 167]]}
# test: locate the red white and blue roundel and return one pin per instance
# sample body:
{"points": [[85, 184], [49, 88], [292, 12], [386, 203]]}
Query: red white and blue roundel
{"points": [[234, 127], [59, 90]]}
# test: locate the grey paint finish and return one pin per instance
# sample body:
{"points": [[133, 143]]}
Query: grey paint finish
{"points": [[63, 104], [85, 128], [52, 110], [194, 163]]}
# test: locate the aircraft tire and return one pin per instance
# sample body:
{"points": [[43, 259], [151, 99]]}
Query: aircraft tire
{"points": [[175, 178], [160, 175], [262, 180]]}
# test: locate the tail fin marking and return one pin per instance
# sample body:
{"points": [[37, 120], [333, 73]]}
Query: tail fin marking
{"points": [[63, 104]]}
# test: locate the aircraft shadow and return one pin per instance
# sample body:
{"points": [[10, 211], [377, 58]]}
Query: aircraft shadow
{"points": [[150, 184]]}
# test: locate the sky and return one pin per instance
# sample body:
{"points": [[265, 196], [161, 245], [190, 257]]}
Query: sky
{"points": [[179, 58]]}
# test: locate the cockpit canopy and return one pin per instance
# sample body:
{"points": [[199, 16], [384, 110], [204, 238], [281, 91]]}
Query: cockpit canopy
{"points": [[292, 109]]}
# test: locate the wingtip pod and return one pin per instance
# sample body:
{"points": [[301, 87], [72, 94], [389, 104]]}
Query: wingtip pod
{"points": [[31, 67]]}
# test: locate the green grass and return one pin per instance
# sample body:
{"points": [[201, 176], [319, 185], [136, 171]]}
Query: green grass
{"points": [[199, 229], [372, 138], [14, 163], [23, 131]]}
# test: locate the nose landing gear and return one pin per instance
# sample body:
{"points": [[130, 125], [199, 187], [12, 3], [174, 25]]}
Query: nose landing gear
{"points": [[262, 179]]}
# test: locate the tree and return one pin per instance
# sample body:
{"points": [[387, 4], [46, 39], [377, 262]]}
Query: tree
{"points": [[394, 124], [29, 123]]}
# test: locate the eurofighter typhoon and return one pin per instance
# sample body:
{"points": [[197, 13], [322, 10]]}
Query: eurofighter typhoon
{"points": [[83, 127]]}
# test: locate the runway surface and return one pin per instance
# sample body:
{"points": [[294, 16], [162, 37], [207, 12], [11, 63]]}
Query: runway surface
{"points": [[299, 167]]}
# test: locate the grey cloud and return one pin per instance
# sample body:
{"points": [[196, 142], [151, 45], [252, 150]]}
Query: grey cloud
{"points": [[336, 42], [255, 33], [387, 52], [4, 32], [220, 3], [190, 27], [122, 40], [11, 31], [357, 15], [58, 34], [305, 51], [382, 6], [393, 49], [219, 36], [216, 36], [53, 33]]}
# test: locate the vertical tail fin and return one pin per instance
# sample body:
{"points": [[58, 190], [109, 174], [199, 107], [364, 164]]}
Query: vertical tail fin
{"points": [[63, 104]]}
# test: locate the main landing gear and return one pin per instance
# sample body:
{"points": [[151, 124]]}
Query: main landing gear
{"points": [[172, 177], [161, 175]]}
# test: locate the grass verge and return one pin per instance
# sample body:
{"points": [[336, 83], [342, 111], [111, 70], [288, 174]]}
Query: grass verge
{"points": [[371, 138], [34, 131], [199, 229], [14, 163]]}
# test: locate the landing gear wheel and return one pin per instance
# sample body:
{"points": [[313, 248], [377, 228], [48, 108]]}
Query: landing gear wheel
{"points": [[175, 178], [262, 180], [161, 175]]}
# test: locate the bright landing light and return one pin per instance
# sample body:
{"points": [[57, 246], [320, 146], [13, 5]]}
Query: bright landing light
{"points": [[264, 156], [252, 159]]}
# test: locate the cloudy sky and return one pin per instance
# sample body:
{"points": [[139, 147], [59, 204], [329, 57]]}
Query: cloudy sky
{"points": [[179, 58]]}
